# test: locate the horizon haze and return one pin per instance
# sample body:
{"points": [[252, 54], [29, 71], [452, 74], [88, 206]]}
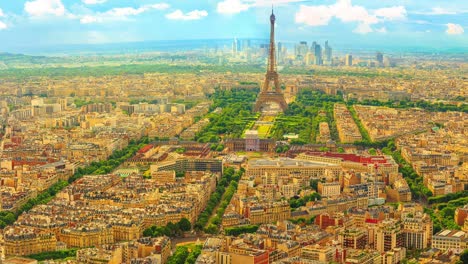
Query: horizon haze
{"points": [[40, 26]]}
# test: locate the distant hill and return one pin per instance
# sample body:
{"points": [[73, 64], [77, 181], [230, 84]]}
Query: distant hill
{"points": [[14, 60]]}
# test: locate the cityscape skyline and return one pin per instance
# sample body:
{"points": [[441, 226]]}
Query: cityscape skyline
{"points": [[46, 23], [191, 156]]}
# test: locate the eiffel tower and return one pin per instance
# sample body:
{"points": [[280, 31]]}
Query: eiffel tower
{"points": [[271, 93]]}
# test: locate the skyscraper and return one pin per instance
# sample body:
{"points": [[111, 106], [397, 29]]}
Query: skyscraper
{"points": [[318, 55], [379, 58], [349, 60], [310, 58], [280, 52], [263, 52], [245, 44], [301, 50], [328, 53], [312, 48], [234, 47]]}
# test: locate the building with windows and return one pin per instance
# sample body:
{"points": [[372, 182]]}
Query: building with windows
{"points": [[324, 254], [287, 166], [251, 143], [24, 241], [182, 165], [349, 60], [329, 189], [450, 239], [362, 257], [388, 235], [353, 238], [417, 230], [461, 215], [87, 235]]}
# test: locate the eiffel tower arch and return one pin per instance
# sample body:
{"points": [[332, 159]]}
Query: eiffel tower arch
{"points": [[271, 89], [264, 99]]}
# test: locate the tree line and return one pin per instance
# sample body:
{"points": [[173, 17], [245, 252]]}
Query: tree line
{"points": [[101, 167], [185, 255], [170, 230], [236, 114], [59, 254], [304, 115], [224, 190]]}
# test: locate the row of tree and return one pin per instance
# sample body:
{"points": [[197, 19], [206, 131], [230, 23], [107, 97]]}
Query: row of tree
{"points": [[170, 230], [229, 176], [442, 214], [101, 167], [185, 255], [448, 197], [238, 230], [60, 254], [303, 221], [236, 114], [216, 147], [297, 202], [304, 115], [215, 220], [362, 129], [114, 160], [415, 182], [123, 69], [432, 107]]}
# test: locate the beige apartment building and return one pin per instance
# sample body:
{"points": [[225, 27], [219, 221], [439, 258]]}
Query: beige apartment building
{"points": [[22, 242], [329, 189], [450, 239]]}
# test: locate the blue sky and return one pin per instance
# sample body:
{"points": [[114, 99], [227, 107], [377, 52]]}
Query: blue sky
{"points": [[426, 23]]}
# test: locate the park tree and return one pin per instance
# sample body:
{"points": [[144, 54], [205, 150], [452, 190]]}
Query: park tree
{"points": [[184, 224]]}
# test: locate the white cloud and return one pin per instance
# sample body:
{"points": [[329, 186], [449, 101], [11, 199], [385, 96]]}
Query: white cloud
{"points": [[160, 6], [363, 28], [93, 2], [3, 26], [125, 11], [90, 19], [268, 3], [272, 2], [391, 13], [439, 11], [1, 13], [120, 13], [381, 30], [45, 7], [442, 11], [345, 11], [192, 15], [421, 22], [232, 7], [314, 15], [454, 29]]}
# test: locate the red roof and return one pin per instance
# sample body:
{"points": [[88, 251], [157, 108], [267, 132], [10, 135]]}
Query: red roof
{"points": [[352, 157], [372, 221], [145, 149]]}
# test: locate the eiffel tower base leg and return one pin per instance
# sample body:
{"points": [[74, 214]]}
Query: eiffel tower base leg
{"points": [[264, 98]]}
